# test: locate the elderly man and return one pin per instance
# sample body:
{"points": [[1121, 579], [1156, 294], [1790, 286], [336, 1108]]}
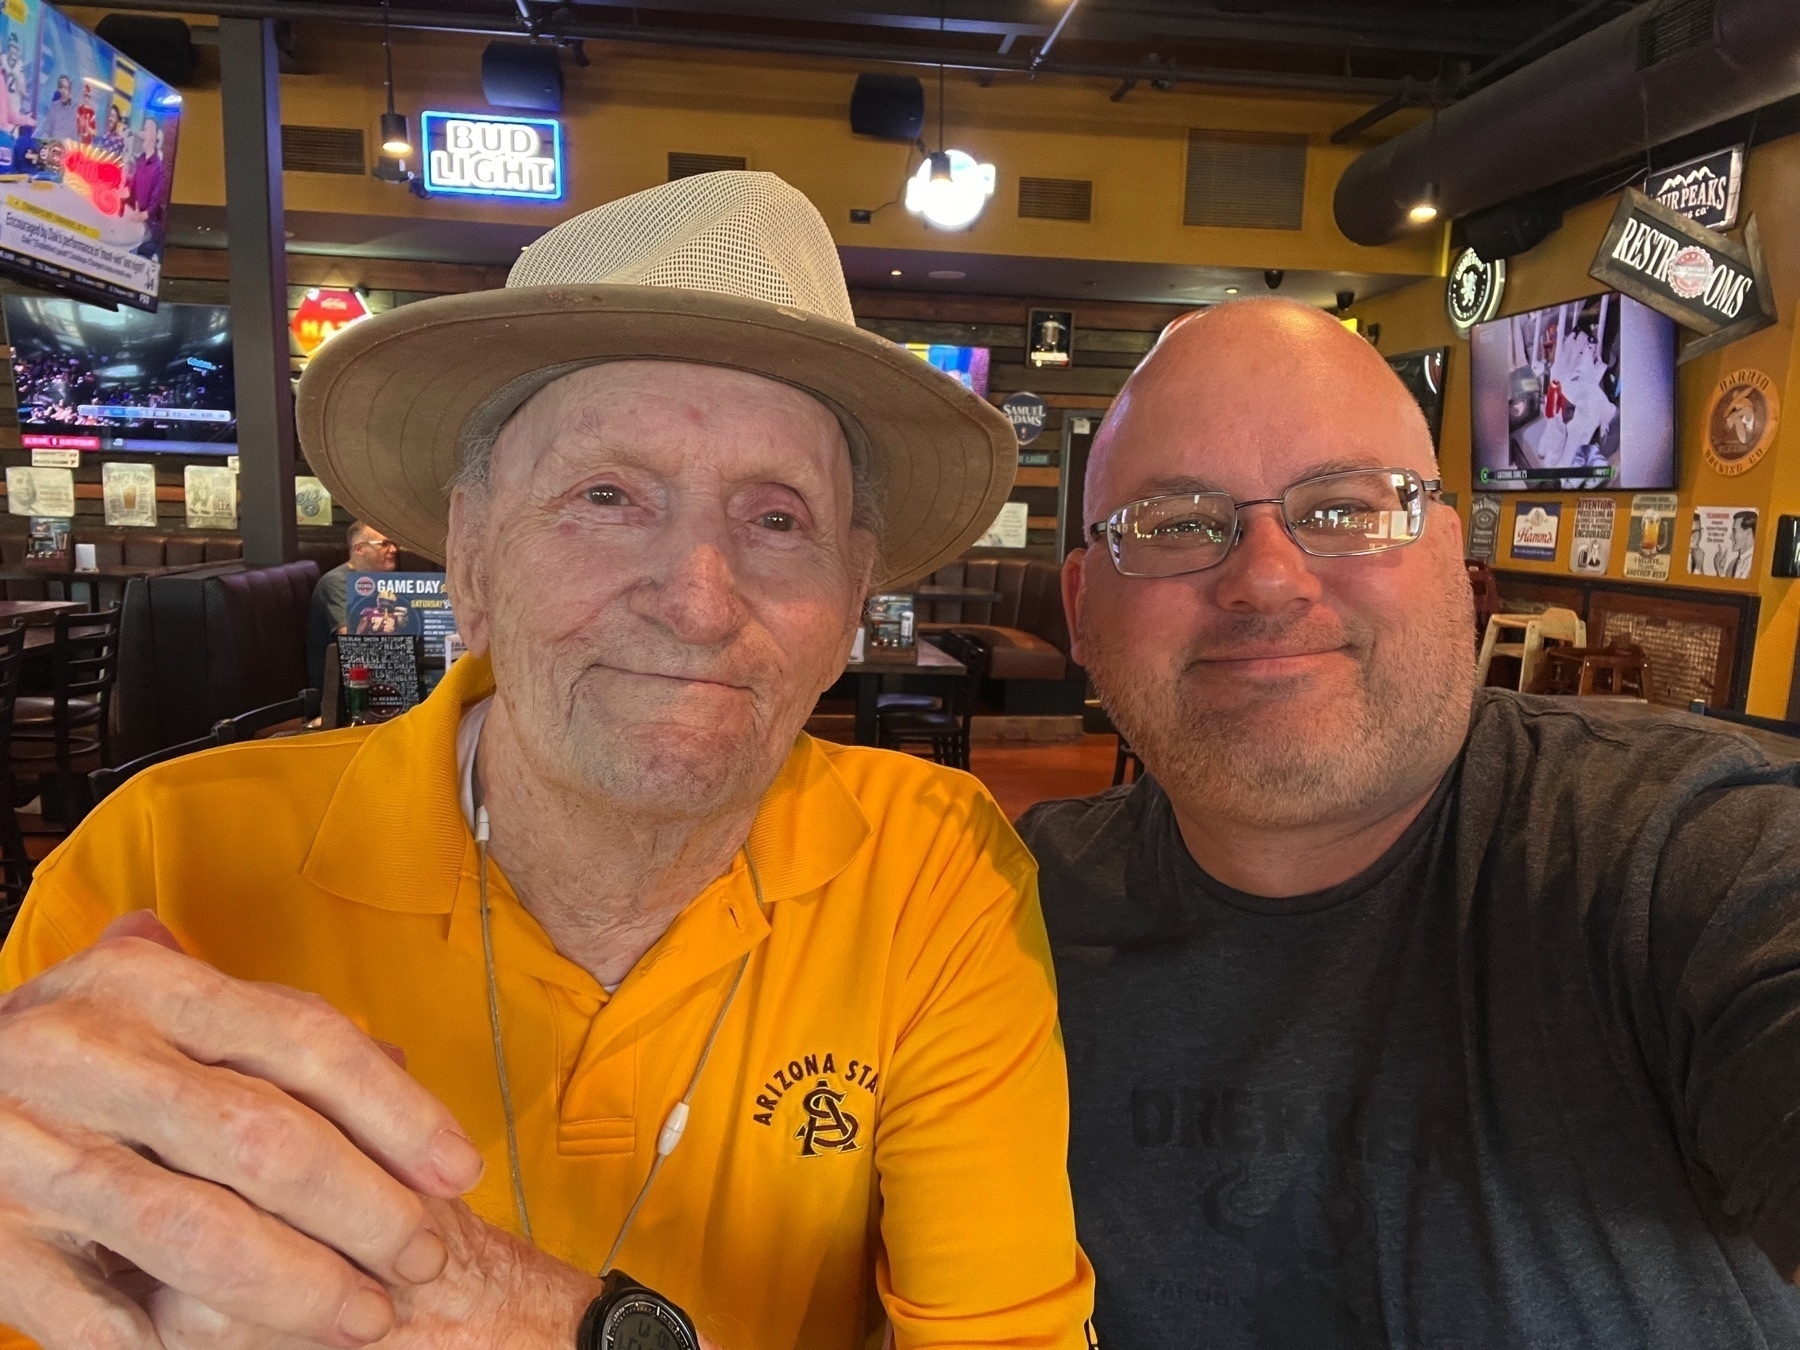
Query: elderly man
{"points": [[1400, 1013], [767, 1023]]}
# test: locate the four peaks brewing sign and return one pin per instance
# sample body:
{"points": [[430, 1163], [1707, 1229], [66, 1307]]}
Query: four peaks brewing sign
{"points": [[1705, 190], [1696, 276], [474, 155]]}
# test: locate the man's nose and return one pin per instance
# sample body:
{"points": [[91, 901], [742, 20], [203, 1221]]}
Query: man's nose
{"points": [[696, 597], [1266, 572]]}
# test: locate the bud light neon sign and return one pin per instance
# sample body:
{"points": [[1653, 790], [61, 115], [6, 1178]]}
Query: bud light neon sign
{"points": [[475, 155]]}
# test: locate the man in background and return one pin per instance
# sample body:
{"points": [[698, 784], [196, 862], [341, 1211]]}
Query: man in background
{"points": [[1400, 1014], [370, 551]]}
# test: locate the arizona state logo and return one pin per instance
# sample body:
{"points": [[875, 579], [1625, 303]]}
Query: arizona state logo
{"points": [[827, 1125]]}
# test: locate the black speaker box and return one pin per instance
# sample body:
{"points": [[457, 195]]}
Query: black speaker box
{"points": [[891, 107], [523, 75], [1511, 228], [163, 47]]}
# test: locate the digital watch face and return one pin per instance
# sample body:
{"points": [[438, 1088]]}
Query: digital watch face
{"points": [[644, 1324]]}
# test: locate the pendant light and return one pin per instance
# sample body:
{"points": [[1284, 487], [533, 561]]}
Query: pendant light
{"points": [[950, 189], [395, 141]]}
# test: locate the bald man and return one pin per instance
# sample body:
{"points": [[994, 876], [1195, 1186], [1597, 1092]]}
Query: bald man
{"points": [[1399, 1013]]}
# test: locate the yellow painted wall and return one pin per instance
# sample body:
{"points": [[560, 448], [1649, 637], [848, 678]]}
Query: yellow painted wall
{"points": [[633, 105], [1558, 270]]}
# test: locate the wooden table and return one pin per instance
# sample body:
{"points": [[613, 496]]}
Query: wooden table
{"points": [[927, 661], [35, 611], [68, 578]]}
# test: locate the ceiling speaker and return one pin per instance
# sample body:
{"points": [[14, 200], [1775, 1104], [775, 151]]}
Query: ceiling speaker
{"points": [[1511, 228], [164, 47], [525, 75], [891, 107]]}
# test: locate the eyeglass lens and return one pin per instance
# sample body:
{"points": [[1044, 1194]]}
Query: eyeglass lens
{"points": [[1361, 511]]}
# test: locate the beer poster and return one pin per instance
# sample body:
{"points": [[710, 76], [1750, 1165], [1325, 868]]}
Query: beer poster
{"points": [[1534, 531], [211, 491], [1723, 542], [1484, 526], [40, 492], [1650, 538], [129, 491], [1590, 550]]}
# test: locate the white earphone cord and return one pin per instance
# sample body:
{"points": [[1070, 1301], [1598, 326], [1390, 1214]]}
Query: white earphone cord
{"points": [[676, 1123]]}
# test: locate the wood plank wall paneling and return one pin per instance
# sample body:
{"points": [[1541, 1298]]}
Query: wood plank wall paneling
{"points": [[1110, 340]]}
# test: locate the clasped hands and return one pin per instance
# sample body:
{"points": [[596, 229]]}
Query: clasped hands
{"points": [[192, 1162]]}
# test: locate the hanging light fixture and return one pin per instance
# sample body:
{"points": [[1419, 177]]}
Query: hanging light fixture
{"points": [[1425, 210], [395, 141], [950, 188]]}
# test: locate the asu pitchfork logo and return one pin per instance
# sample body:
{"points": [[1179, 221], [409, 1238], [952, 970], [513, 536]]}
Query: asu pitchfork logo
{"points": [[828, 1125]]}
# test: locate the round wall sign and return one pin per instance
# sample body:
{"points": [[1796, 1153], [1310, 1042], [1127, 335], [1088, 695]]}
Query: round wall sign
{"points": [[1741, 421], [1026, 412], [1474, 290]]}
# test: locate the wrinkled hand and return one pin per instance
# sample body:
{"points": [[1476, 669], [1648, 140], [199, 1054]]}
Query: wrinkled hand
{"points": [[173, 1137], [495, 1293]]}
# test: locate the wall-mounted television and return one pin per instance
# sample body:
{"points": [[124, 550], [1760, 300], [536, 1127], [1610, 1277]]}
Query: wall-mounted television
{"points": [[123, 380], [1574, 397], [87, 160], [968, 364], [1423, 375]]}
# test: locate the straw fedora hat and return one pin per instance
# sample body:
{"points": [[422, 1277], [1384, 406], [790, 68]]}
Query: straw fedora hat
{"points": [[727, 269]]}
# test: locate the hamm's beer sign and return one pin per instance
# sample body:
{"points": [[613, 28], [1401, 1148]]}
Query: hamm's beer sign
{"points": [[1696, 276], [471, 155]]}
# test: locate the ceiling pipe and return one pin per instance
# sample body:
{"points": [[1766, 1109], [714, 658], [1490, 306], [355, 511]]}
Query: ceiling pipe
{"points": [[567, 26], [1662, 71]]}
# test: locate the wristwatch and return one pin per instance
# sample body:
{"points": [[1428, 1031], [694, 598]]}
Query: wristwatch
{"points": [[629, 1316]]}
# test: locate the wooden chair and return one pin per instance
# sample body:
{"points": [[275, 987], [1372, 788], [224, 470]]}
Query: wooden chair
{"points": [[1518, 640], [1608, 672], [226, 731], [59, 738], [1128, 767], [945, 729], [1487, 595]]}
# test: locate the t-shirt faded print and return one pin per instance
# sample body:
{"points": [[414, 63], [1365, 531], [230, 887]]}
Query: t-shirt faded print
{"points": [[1531, 1080]]}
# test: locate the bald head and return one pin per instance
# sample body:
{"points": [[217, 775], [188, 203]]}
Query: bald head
{"points": [[1262, 382]]}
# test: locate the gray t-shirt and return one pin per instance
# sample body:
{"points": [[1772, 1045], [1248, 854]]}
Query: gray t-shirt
{"points": [[1531, 1080]]}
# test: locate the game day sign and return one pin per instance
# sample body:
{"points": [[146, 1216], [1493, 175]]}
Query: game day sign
{"points": [[1698, 277]]}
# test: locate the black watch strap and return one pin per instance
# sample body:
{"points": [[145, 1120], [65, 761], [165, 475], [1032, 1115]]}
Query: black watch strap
{"points": [[616, 1288]]}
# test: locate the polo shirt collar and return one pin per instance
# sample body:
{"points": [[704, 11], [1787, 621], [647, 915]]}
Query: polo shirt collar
{"points": [[394, 836]]}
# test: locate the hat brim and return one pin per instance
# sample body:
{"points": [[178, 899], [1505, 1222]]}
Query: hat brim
{"points": [[382, 407]]}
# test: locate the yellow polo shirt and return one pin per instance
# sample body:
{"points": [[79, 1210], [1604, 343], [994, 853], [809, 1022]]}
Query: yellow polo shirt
{"points": [[884, 1114]]}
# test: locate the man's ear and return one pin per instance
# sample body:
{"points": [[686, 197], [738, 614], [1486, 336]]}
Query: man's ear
{"points": [[465, 566], [1071, 598]]}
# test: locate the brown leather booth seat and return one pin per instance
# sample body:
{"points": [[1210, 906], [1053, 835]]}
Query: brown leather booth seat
{"points": [[1025, 627], [208, 642]]}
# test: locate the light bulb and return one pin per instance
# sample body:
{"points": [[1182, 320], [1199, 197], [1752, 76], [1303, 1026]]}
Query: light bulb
{"points": [[950, 189], [1425, 210], [394, 138]]}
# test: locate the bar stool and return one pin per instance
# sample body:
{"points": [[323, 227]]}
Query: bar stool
{"points": [[1608, 672], [1523, 638]]}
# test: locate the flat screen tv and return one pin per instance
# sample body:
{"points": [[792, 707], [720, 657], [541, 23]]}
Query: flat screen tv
{"points": [[96, 379], [968, 364], [87, 160], [1423, 375], [1574, 397]]}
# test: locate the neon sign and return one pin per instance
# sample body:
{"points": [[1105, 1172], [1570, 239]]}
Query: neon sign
{"points": [[476, 155]]}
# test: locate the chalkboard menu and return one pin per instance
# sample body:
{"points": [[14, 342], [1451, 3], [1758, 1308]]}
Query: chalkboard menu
{"points": [[393, 661]]}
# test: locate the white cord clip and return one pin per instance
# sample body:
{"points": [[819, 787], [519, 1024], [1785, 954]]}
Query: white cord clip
{"points": [[672, 1130]]}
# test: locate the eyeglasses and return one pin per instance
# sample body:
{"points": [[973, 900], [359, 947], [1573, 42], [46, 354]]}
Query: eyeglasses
{"points": [[1334, 515]]}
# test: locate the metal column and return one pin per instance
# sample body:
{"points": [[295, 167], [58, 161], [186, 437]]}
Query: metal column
{"points": [[250, 95]]}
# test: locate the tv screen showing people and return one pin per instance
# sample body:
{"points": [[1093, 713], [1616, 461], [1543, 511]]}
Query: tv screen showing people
{"points": [[1575, 396], [87, 160], [95, 379]]}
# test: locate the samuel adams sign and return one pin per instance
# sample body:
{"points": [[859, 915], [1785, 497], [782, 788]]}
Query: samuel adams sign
{"points": [[1696, 276]]}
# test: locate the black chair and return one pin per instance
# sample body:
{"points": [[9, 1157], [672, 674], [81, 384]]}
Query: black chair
{"points": [[59, 738], [945, 729], [15, 863], [226, 731], [1700, 709]]}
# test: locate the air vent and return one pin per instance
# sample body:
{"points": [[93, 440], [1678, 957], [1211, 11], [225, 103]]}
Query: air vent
{"points": [[1246, 179], [1675, 28], [682, 165], [322, 149], [1056, 198]]}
